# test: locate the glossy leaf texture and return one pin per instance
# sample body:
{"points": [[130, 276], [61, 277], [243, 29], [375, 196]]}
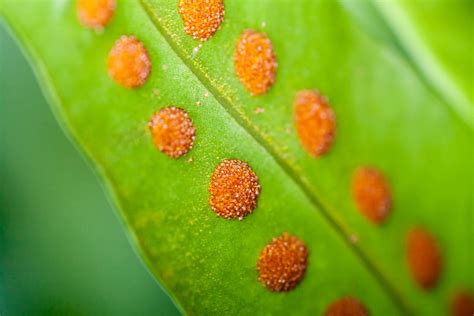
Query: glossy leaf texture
{"points": [[389, 115], [423, 32]]}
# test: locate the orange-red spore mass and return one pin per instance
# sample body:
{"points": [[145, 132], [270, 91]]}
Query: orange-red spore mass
{"points": [[128, 62], [462, 304], [234, 189], [423, 257], [173, 131], [315, 122], [255, 62], [346, 306], [372, 194], [95, 13], [201, 18], [282, 263]]}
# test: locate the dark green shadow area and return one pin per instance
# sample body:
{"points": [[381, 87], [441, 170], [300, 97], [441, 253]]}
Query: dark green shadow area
{"points": [[63, 250]]}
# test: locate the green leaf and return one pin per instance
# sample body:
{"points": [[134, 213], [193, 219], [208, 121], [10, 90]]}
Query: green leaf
{"points": [[423, 33], [391, 113]]}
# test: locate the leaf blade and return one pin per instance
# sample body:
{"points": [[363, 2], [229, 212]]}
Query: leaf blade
{"points": [[144, 220], [454, 139]]}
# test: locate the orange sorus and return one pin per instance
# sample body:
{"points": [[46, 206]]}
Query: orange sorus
{"points": [[371, 194], [128, 62], [255, 62], [423, 257], [234, 189], [462, 304], [95, 13], [172, 131], [201, 18], [282, 263], [315, 122], [346, 306]]}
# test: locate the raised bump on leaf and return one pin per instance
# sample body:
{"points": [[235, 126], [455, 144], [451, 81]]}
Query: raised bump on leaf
{"points": [[201, 18], [371, 194], [423, 257], [95, 13], [255, 62], [315, 122], [173, 131], [346, 306], [462, 304], [234, 189], [282, 263], [128, 62]]}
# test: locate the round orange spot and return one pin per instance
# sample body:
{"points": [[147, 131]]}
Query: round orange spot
{"points": [[346, 306], [314, 121], [95, 13], [372, 194], [201, 18], [173, 131], [282, 263], [234, 189], [255, 62], [462, 304], [128, 62], [424, 257]]}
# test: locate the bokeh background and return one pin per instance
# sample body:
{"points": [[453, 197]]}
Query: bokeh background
{"points": [[63, 248]]}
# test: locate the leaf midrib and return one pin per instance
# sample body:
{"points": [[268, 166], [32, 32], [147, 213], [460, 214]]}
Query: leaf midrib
{"points": [[302, 182]]}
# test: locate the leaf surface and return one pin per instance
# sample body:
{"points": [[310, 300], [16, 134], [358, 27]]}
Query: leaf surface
{"points": [[387, 116], [435, 37]]}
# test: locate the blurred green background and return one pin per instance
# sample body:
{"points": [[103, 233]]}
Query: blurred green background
{"points": [[63, 249]]}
